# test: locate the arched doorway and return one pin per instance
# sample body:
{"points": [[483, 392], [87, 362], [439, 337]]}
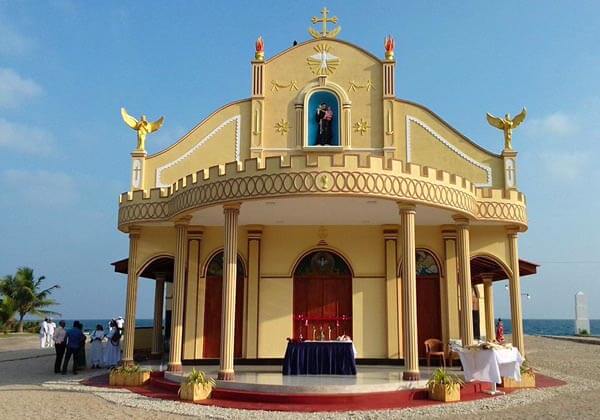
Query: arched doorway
{"points": [[322, 296], [429, 314], [213, 308]]}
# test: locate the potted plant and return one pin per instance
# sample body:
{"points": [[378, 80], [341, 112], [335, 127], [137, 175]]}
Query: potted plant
{"points": [[444, 386], [132, 375], [527, 378], [196, 387]]}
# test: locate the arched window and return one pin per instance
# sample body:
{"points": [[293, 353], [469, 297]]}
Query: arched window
{"points": [[426, 264]]}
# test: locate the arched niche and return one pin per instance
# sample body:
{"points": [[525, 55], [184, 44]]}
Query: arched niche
{"points": [[323, 114], [306, 104]]}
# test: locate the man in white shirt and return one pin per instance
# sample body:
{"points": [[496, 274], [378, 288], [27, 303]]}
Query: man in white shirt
{"points": [[50, 335], [43, 333], [59, 345]]}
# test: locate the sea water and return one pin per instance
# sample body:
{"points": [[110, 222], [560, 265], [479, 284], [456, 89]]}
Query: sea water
{"points": [[531, 326]]}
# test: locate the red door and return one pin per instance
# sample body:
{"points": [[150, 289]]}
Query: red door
{"points": [[212, 316], [322, 302], [429, 314]]}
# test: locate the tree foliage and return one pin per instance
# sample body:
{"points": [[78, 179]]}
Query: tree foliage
{"points": [[23, 294]]}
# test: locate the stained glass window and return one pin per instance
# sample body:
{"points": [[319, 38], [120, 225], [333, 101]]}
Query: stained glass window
{"points": [[322, 262], [426, 264], [215, 267]]}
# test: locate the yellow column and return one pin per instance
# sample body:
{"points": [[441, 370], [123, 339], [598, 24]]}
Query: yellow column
{"points": [[451, 280], [226, 371], [514, 282], [159, 297], [488, 299], [131, 298], [464, 275], [409, 293], [390, 236], [254, 239], [178, 295]]}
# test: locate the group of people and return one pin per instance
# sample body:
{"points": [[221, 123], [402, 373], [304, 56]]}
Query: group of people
{"points": [[47, 329], [70, 343]]}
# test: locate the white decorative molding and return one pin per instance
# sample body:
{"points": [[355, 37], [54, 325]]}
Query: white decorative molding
{"points": [[449, 145], [237, 119]]}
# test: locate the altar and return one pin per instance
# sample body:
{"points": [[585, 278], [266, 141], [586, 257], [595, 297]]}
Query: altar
{"points": [[319, 358]]}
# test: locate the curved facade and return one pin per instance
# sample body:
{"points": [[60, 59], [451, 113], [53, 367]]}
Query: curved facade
{"points": [[324, 160]]}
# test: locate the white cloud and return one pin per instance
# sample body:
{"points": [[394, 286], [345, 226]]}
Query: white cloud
{"points": [[557, 124], [11, 41], [39, 188], [567, 166], [25, 139], [14, 89]]}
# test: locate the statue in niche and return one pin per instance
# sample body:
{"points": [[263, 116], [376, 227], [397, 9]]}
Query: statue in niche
{"points": [[325, 122]]}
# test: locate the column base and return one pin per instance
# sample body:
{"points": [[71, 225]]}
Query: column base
{"points": [[127, 362], [175, 367], [226, 375], [411, 376]]}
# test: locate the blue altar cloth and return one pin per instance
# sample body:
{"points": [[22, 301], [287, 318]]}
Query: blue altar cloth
{"points": [[319, 358]]}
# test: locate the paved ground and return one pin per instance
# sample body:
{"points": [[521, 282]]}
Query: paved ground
{"points": [[28, 388]]}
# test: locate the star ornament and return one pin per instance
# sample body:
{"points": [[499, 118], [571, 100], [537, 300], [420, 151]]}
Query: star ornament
{"points": [[361, 126], [323, 63], [282, 127]]}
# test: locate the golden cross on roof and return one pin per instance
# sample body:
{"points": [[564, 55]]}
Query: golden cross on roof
{"points": [[324, 33]]}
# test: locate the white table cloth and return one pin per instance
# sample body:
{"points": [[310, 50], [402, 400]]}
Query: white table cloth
{"points": [[491, 365]]}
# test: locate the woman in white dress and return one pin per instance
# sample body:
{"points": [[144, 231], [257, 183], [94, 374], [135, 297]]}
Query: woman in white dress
{"points": [[112, 355], [96, 339]]}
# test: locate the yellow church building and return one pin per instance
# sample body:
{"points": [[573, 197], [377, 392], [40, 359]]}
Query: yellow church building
{"points": [[322, 204]]}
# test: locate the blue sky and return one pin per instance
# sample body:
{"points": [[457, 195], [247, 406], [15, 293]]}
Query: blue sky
{"points": [[66, 67]]}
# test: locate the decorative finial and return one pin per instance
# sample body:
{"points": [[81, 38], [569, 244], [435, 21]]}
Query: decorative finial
{"points": [[389, 45], [142, 126], [260, 49], [324, 33], [507, 125]]}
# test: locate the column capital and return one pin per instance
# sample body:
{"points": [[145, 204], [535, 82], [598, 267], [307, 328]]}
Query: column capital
{"points": [[461, 220], [134, 232], [232, 207], [390, 232], [487, 278], [160, 276], [139, 153], [448, 231], [182, 221], [404, 207], [513, 230], [195, 232], [254, 232]]}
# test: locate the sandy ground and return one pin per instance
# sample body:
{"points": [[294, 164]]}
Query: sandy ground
{"points": [[24, 369]]}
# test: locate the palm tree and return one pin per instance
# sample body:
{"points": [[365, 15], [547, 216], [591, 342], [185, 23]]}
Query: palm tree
{"points": [[7, 311], [24, 292]]}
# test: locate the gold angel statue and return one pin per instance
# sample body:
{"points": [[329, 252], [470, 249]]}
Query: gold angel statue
{"points": [[142, 126], [507, 125]]}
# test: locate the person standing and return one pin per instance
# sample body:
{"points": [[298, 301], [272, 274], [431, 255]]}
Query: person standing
{"points": [[120, 324], [43, 333], [112, 355], [500, 331], [50, 335], [75, 339], [96, 340], [60, 334]]}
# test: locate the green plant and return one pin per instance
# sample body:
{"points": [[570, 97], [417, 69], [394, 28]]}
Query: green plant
{"points": [[583, 332], [128, 370], [525, 368], [197, 377], [441, 376], [25, 292]]}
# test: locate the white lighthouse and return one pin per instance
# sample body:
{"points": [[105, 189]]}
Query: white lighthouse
{"points": [[582, 323]]}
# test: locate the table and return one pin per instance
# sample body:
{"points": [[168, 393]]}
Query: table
{"points": [[319, 358], [491, 365]]}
